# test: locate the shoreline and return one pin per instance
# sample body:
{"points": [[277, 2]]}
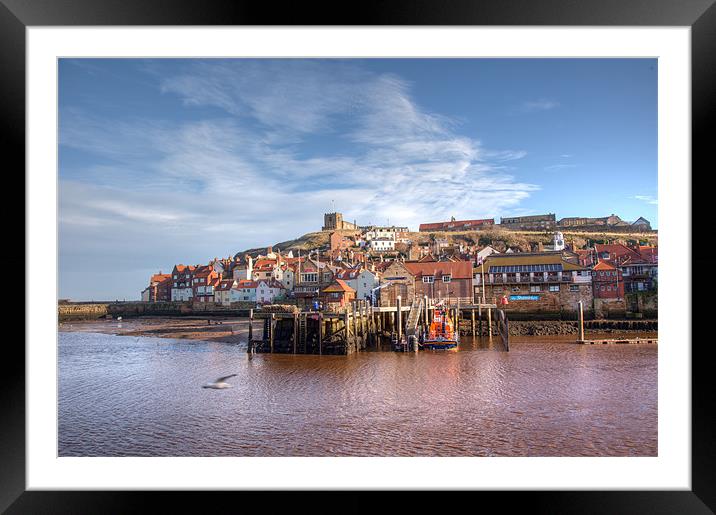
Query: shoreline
{"points": [[235, 329]]}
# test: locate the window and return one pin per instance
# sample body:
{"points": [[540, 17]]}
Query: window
{"points": [[428, 279], [573, 287], [609, 288], [446, 278], [535, 288], [554, 287]]}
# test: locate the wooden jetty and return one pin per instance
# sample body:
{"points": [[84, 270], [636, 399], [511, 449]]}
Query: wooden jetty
{"points": [[620, 340], [356, 327], [583, 341]]}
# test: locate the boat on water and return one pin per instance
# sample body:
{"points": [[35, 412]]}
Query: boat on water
{"points": [[441, 334]]}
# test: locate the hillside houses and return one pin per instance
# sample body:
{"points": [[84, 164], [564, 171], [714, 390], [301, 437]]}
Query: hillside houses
{"points": [[381, 263]]}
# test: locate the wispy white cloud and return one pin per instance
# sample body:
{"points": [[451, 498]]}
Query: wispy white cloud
{"points": [[559, 167], [252, 174], [542, 104], [647, 198]]}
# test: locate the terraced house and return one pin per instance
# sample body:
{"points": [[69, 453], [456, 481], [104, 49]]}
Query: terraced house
{"points": [[182, 276], [540, 282]]}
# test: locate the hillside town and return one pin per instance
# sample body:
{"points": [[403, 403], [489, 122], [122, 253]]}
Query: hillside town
{"points": [[378, 264]]}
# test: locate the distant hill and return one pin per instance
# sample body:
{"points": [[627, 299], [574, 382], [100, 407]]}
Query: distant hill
{"points": [[500, 239]]}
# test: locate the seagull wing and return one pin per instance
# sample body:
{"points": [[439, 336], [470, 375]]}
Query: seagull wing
{"points": [[224, 378]]}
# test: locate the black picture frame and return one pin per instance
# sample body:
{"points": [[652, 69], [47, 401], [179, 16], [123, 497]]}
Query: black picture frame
{"points": [[17, 15]]}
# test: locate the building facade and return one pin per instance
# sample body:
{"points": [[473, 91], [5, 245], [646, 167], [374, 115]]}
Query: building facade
{"points": [[182, 276], [334, 221], [535, 282], [457, 225], [530, 223]]}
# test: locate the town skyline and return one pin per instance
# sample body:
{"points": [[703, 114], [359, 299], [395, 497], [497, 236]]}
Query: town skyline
{"points": [[171, 161]]}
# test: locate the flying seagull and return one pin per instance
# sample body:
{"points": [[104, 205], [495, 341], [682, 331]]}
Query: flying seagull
{"points": [[219, 383]]}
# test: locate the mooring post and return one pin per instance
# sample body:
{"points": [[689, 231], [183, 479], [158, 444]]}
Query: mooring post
{"points": [[271, 329], [581, 321], [400, 317], [479, 317], [320, 333], [251, 324], [472, 320], [295, 331], [347, 336], [355, 325], [425, 301], [489, 322]]}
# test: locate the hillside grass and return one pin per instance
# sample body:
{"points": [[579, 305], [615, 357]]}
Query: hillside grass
{"points": [[500, 239]]}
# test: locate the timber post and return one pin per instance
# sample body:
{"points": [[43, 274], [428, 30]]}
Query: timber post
{"points": [[472, 320], [489, 322], [400, 317], [320, 334], [251, 324], [271, 331], [295, 331], [581, 321]]}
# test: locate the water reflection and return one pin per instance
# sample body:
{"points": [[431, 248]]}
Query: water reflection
{"points": [[127, 396]]}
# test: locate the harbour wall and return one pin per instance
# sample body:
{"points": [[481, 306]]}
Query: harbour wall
{"points": [[94, 311]]}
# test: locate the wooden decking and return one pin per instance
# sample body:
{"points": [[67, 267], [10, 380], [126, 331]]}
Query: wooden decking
{"points": [[618, 341]]}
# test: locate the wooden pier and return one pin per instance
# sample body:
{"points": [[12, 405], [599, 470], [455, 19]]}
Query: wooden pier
{"points": [[356, 327], [619, 340], [605, 341]]}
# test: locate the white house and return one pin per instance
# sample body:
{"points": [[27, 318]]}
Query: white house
{"points": [[243, 291], [268, 291], [222, 291], [392, 232], [243, 268], [382, 244], [361, 280]]}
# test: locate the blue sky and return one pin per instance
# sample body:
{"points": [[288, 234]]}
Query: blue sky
{"points": [[182, 160]]}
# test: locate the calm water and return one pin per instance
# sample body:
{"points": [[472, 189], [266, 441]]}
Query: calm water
{"points": [[128, 396]]}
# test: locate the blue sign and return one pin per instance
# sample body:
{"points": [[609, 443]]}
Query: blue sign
{"points": [[524, 297]]}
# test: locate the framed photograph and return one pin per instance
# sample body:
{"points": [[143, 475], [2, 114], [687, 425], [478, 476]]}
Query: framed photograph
{"points": [[273, 251]]}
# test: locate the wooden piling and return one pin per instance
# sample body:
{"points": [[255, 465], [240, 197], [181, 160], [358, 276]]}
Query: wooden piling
{"points": [[400, 318], [581, 321], [355, 325], [472, 320], [251, 324], [320, 334], [347, 331], [489, 322], [271, 331], [479, 316], [295, 331]]}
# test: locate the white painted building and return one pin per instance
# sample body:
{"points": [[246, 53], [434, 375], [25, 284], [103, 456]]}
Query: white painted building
{"points": [[382, 244], [361, 280], [243, 291], [268, 291]]}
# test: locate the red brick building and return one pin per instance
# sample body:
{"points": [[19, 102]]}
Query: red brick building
{"points": [[607, 281], [337, 295], [160, 288]]}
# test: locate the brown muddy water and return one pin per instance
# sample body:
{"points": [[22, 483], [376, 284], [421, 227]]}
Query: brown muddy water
{"points": [[140, 396]]}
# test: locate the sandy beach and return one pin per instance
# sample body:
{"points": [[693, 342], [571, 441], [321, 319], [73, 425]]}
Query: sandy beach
{"points": [[230, 330]]}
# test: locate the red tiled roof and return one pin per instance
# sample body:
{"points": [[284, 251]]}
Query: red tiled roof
{"points": [[339, 285], [158, 278], [224, 285], [349, 273], [246, 284], [604, 265]]}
